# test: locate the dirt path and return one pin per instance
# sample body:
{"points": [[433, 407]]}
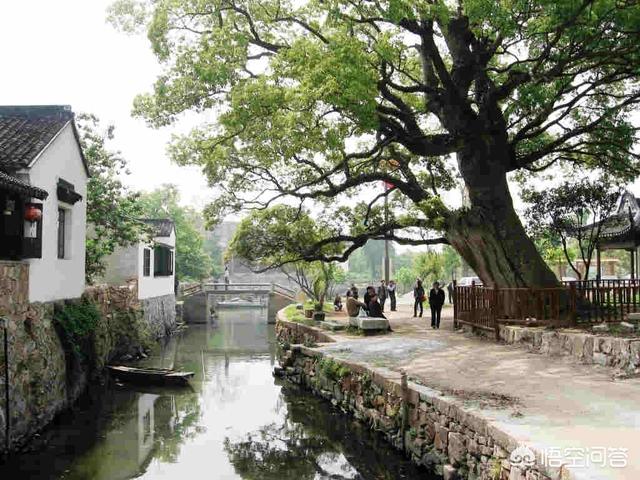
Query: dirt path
{"points": [[553, 404]]}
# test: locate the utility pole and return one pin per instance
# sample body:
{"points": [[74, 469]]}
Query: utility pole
{"points": [[386, 235]]}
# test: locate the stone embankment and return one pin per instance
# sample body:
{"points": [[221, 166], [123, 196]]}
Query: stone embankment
{"points": [[433, 430], [46, 375], [620, 353]]}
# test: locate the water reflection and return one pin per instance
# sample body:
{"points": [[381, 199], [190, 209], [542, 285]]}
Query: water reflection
{"points": [[235, 422]]}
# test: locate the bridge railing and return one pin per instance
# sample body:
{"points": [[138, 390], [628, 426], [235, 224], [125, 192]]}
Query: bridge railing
{"points": [[230, 287]]}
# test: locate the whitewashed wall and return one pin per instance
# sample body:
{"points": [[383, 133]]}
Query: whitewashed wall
{"points": [[121, 266], [149, 287], [51, 278]]}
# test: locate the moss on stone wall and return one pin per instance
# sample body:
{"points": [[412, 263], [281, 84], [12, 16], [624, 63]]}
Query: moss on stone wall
{"points": [[51, 361]]}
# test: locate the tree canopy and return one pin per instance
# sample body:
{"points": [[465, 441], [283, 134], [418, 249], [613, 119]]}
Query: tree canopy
{"points": [[320, 101], [572, 212]]}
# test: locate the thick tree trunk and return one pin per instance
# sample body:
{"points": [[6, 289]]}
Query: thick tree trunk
{"points": [[489, 234]]}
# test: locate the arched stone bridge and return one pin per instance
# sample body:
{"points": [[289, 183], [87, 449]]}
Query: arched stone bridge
{"points": [[201, 299]]}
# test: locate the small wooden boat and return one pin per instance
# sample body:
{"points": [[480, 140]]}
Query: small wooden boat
{"points": [[153, 376]]}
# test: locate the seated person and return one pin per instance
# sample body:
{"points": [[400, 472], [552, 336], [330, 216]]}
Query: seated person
{"points": [[367, 296], [375, 309], [353, 305], [337, 303]]}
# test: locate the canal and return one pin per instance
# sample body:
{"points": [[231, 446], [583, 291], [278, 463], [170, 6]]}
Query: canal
{"points": [[237, 422]]}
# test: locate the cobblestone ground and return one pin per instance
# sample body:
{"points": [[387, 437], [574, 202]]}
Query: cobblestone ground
{"points": [[552, 403]]}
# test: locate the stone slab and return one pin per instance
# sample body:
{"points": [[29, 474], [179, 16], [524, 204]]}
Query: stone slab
{"points": [[370, 323]]}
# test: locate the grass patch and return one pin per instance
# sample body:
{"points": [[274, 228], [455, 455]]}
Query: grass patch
{"points": [[292, 314], [333, 369], [78, 322]]}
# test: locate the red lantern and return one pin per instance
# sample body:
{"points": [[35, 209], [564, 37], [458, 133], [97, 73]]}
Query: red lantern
{"points": [[32, 214]]}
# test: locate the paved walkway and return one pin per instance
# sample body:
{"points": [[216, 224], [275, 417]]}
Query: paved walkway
{"points": [[547, 403]]}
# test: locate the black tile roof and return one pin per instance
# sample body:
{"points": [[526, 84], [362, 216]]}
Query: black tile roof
{"points": [[14, 185], [26, 130], [162, 227]]}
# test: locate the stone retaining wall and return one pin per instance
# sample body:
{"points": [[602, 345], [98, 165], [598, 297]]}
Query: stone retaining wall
{"points": [[297, 333], [434, 431], [43, 378], [37, 367], [160, 314], [620, 353]]}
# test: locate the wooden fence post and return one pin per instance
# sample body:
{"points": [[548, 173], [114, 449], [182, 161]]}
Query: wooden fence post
{"points": [[455, 306], [573, 304], [495, 311]]}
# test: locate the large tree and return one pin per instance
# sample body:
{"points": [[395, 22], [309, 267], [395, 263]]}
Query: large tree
{"points": [[318, 101]]}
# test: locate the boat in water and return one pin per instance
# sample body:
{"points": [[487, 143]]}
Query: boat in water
{"points": [[150, 376]]}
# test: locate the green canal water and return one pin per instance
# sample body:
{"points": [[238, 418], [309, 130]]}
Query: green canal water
{"points": [[237, 422]]}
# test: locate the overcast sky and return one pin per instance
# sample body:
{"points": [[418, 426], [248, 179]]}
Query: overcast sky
{"points": [[64, 52]]}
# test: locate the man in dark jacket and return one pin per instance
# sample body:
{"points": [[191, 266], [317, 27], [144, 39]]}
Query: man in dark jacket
{"points": [[436, 301], [375, 310], [382, 294]]}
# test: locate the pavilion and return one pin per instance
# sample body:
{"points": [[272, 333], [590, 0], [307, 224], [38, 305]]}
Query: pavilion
{"points": [[621, 231]]}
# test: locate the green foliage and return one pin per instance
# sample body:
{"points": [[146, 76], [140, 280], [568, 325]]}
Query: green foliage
{"points": [[429, 266], [192, 260], [112, 210], [294, 315], [212, 248], [332, 369], [405, 277], [571, 210], [320, 101], [78, 321]]}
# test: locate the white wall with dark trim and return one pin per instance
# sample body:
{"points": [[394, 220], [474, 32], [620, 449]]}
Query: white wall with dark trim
{"points": [[152, 286], [51, 278]]}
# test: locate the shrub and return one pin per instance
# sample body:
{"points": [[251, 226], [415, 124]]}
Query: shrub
{"points": [[333, 369], [78, 322]]}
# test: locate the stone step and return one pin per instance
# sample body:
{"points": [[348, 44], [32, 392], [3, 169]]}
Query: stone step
{"points": [[331, 325]]}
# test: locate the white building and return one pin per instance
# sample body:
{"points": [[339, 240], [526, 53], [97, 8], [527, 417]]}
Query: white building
{"points": [[151, 265], [42, 169]]}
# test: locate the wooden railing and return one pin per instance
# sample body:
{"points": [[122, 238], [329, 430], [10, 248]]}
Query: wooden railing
{"points": [[605, 300], [588, 301]]}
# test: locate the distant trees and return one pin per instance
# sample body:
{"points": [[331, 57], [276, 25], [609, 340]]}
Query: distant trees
{"points": [[192, 261], [260, 240]]}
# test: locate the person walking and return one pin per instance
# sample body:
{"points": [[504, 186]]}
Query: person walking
{"points": [[450, 291], [382, 294], [436, 301], [418, 297], [226, 276], [391, 290]]}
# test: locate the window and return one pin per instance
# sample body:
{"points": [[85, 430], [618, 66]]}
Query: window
{"points": [[146, 265], [61, 232], [162, 261]]}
